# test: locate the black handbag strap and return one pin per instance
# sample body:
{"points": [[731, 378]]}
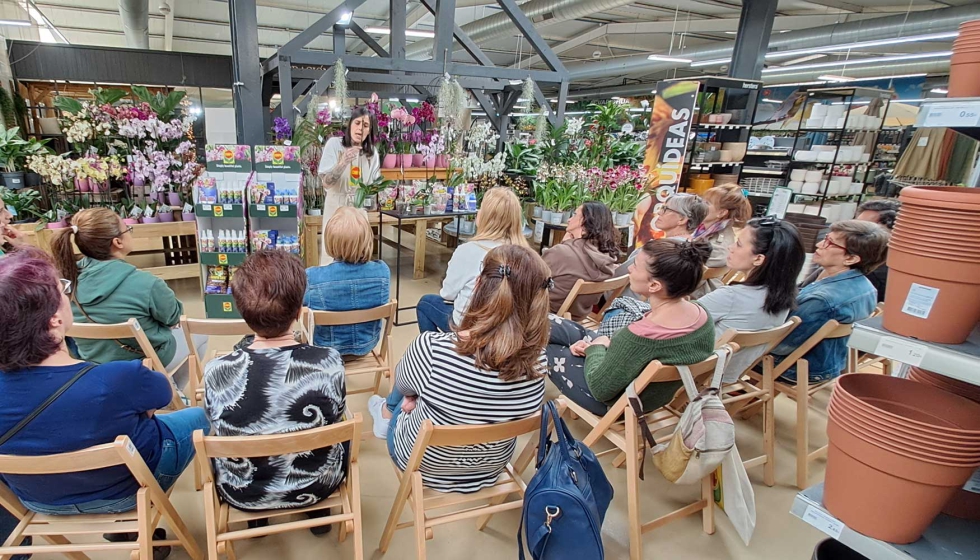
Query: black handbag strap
{"points": [[41, 407], [647, 437]]}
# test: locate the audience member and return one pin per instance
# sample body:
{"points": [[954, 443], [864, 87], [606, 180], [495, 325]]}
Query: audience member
{"points": [[499, 221], [351, 282], [770, 253], [10, 238], [883, 213], [589, 252], [274, 386], [675, 331], [489, 370], [98, 402], [727, 209], [109, 290], [838, 291]]}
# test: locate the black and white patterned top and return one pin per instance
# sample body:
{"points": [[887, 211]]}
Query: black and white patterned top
{"points": [[275, 391], [452, 391]]}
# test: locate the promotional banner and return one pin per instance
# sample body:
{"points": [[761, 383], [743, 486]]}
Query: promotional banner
{"points": [[277, 159], [670, 128], [228, 157]]}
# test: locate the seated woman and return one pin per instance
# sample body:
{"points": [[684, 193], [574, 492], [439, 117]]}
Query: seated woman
{"points": [[99, 402], [678, 217], [770, 253], [595, 373], [351, 282], [489, 370], [588, 252], [109, 290], [498, 222], [840, 290], [727, 209], [273, 386]]}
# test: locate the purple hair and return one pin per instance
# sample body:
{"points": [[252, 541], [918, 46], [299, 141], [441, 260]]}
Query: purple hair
{"points": [[29, 297]]}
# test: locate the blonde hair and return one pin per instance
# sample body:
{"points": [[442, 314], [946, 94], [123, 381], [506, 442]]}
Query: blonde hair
{"points": [[729, 197], [501, 218], [94, 230], [348, 237]]}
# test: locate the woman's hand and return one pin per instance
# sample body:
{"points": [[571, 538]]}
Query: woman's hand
{"points": [[603, 340], [12, 236], [408, 404], [578, 349], [349, 155]]}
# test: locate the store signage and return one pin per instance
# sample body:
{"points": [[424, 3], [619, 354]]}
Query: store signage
{"points": [[277, 159], [223, 158], [670, 125], [951, 115]]}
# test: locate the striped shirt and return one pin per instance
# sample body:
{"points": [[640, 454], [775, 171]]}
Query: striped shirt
{"points": [[453, 391]]}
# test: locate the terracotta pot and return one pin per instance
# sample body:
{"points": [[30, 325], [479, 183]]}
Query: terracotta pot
{"points": [[963, 80], [405, 161], [942, 197], [928, 230], [418, 160], [871, 500], [951, 318], [896, 393], [955, 386], [951, 270], [965, 505], [901, 440], [935, 248], [949, 242], [390, 161], [942, 217]]}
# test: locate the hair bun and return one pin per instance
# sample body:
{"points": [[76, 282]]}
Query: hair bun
{"points": [[698, 251]]}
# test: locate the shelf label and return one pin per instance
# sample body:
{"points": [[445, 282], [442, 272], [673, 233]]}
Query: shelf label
{"points": [[973, 485], [284, 208], [226, 206], [218, 212], [949, 115], [206, 207], [823, 521], [901, 350], [260, 207], [920, 300]]}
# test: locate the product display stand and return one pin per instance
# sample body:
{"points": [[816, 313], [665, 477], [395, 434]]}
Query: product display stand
{"points": [[219, 198], [948, 537], [275, 210]]}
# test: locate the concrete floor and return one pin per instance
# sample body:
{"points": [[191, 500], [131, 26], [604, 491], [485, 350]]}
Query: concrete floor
{"points": [[778, 535]]}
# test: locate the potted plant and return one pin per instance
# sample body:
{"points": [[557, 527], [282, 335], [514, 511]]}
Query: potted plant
{"points": [[52, 219], [23, 203], [368, 190], [14, 152], [566, 198], [522, 159]]}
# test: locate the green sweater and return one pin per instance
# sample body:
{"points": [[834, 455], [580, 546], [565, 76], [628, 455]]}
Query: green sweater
{"points": [[115, 291], [608, 371]]}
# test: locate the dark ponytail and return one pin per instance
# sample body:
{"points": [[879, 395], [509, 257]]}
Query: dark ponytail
{"points": [[779, 242], [678, 265]]}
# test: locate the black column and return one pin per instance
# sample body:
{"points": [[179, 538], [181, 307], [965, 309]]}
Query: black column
{"points": [[247, 72], [752, 41]]}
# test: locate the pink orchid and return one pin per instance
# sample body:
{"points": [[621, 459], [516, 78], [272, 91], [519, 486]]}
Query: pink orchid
{"points": [[374, 98], [409, 120], [399, 114]]}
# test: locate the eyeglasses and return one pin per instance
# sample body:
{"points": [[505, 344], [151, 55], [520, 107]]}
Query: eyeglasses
{"points": [[127, 230], [828, 243], [65, 286], [664, 209]]}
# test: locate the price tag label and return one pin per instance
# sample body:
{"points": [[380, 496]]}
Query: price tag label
{"points": [[260, 207], [920, 300], [206, 207], [226, 306], [285, 207], [226, 206], [901, 350], [823, 521], [273, 211], [218, 212], [222, 258]]}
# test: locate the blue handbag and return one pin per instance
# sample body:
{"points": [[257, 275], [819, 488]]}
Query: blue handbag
{"points": [[566, 500]]}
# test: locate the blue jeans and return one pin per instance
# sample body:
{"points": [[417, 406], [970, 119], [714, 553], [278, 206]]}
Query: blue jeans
{"points": [[175, 455], [433, 313], [394, 405]]}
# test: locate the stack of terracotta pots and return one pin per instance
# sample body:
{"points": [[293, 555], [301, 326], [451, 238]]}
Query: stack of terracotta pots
{"points": [[898, 451], [933, 289], [964, 68], [966, 502]]}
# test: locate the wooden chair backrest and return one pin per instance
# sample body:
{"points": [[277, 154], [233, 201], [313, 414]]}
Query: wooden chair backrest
{"points": [[309, 318], [586, 288], [211, 327], [732, 277], [769, 337], [714, 273], [120, 331], [209, 447], [830, 329], [431, 435]]}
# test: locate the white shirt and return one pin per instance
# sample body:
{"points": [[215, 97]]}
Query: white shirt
{"points": [[461, 273]]}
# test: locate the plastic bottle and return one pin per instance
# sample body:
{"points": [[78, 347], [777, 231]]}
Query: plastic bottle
{"points": [[471, 201]]}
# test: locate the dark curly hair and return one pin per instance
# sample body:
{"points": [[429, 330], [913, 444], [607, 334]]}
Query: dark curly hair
{"points": [[597, 223]]}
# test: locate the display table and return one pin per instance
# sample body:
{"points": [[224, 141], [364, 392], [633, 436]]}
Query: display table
{"points": [[415, 173], [421, 222], [947, 538], [176, 241]]}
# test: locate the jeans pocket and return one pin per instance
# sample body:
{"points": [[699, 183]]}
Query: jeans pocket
{"points": [[107, 506]]}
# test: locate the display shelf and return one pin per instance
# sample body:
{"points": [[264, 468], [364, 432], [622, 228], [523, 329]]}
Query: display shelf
{"points": [[220, 306], [415, 173], [219, 210], [272, 210], [948, 538], [769, 154], [844, 130], [959, 361], [223, 259], [763, 171]]}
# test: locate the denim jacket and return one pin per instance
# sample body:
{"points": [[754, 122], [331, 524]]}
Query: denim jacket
{"points": [[846, 297], [343, 286]]}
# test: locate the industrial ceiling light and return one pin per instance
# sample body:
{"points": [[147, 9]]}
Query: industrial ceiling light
{"points": [[871, 79], [803, 59], [832, 78], [940, 91], [864, 44], [767, 100], [408, 32], [661, 58], [17, 22], [345, 18], [712, 62], [860, 61]]}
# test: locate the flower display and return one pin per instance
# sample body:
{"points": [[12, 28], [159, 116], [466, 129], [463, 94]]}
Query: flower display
{"points": [[281, 130], [55, 169]]}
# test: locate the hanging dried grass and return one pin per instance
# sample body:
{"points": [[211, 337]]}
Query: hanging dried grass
{"points": [[340, 85]]}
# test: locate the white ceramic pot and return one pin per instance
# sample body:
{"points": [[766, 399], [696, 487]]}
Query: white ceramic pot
{"points": [[546, 216], [856, 188], [825, 157], [813, 176], [797, 175], [819, 111], [795, 186], [811, 188], [814, 122], [555, 218], [805, 155], [536, 213]]}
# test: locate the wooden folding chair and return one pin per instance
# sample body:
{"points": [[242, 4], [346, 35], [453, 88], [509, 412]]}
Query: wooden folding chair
{"points": [[121, 331], [715, 273], [734, 394], [862, 360], [625, 436], [732, 276], [207, 327], [802, 392], [423, 500], [152, 504], [614, 286], [219, 516], [379, 361]]}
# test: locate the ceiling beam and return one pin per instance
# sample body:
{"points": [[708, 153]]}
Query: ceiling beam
{"points": [[168, 27], [592, 35]]}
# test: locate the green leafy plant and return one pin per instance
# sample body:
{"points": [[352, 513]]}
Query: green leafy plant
{"points": [[165, 106], [522, 159], [7, 108], [68, 104], [107, 96], [626, 153], [13, 149], [364, 190], [25, 202]]}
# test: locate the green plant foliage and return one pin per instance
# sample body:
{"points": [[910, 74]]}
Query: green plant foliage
{"points": [[107, 96], [522, 159], [165, 106], [20, 110], [26, 202], [68, 104], [7, 108]]}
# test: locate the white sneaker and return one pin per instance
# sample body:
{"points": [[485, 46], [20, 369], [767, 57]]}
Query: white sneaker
{"points": [[376, 405]]}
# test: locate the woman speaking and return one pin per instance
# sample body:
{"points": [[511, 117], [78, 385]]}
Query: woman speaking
{"points": [[347, 159]]}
